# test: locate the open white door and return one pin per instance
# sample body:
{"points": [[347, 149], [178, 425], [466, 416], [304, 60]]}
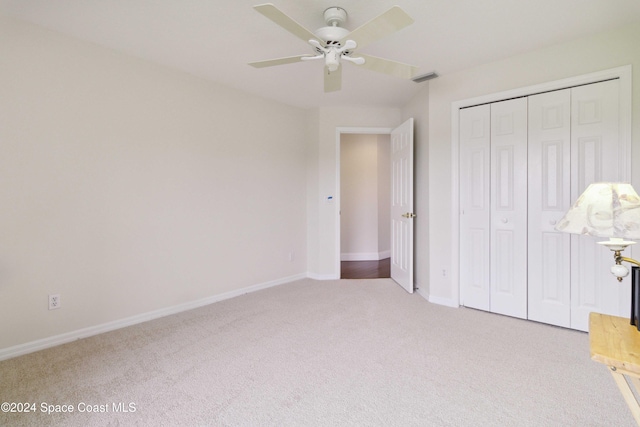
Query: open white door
{"points": [[402, 205]]}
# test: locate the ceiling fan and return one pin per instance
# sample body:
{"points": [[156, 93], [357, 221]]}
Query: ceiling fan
{"points": [[334, 43]]}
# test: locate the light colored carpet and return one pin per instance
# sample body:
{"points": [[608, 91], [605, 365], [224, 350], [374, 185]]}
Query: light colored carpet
{"points": [[330, 353]]}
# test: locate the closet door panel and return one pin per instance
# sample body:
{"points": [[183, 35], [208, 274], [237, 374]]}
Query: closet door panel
{"points": [[509, 208], [595, 155], [549, 195], [474, 206]]}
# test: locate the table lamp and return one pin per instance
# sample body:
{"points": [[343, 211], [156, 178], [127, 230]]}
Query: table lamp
{"points": [[607, 209]]}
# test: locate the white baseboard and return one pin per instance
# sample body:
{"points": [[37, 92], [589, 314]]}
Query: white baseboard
{"points": [[422, 293], [315, 276], [365, 256], [30, 347], [443, 301]]}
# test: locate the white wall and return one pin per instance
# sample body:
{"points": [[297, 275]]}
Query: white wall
{"points": [[582, 56], [364, 197], [127, 187]]}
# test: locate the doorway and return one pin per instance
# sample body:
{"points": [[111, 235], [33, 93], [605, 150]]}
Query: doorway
{"points": [[365, 194], [401, 215]]}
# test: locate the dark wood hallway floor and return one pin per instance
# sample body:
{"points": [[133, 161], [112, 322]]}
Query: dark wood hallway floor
{"points": [[366, 269]]}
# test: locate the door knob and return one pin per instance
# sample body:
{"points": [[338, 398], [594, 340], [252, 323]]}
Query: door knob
{"points": [[409, 215]]}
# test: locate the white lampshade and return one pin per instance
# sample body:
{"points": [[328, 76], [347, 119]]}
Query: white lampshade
{"points": [[605, 209]]}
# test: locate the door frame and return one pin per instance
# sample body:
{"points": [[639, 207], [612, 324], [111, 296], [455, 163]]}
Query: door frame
{"points": [[624, 74], [339, 132]]}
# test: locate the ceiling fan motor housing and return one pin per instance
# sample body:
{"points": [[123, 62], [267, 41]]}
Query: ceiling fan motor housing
{"points": [[332, 35]]}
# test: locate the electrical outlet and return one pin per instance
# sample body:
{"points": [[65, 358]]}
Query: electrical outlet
{"points": [[54, 301]]}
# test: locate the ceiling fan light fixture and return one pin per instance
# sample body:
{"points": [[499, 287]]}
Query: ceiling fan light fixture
{"points": [[332, 60]]}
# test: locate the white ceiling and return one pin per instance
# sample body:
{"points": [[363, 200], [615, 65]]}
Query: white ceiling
{"points": [[215, 39]]}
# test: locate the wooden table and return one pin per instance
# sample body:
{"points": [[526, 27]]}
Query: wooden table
{"points": [[616, 343]]}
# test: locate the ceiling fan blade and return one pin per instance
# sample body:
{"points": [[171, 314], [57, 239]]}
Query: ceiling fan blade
{"points": [[386, 66], [283, 20], [332, 79], [383, 25], [279, 61]]}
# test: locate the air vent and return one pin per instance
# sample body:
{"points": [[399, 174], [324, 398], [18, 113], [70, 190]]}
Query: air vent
{"points": [[422, 78]]}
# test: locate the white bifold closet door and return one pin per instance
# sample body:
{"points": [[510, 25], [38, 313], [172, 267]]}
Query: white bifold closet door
{"points": [[475, 167], [493, 201], [573, 142], [523, 162], [508, 251], [595, 156], [549, 293]]}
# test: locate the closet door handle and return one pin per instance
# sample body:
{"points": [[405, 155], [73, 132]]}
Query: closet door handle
{"points": [[552, 222], [505, 220]]}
